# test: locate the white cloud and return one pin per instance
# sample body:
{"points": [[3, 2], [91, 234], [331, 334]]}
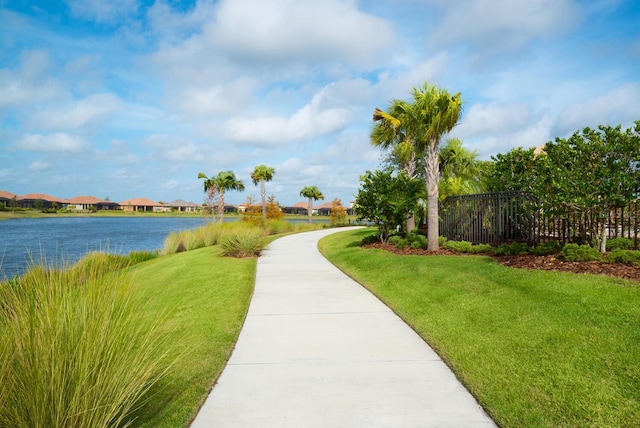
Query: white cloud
{"points": [[171, 184], [87, 111], [105, 11], [58, 142], [494, 119], [299, 30], [504, 25], [618, 106], [29, 84], [216, 99], [320, 117], [38, 166]]}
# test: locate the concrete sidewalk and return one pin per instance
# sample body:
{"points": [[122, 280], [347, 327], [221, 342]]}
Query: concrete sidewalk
{"points": [[318, 350]]}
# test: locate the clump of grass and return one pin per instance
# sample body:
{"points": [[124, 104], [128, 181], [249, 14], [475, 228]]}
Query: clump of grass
{"points": [[210, 233], [276, 227], [136, 257], [79, 349], [243, 241]]}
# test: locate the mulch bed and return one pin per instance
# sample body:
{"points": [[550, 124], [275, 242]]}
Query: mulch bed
{"points": [[530, 261]]}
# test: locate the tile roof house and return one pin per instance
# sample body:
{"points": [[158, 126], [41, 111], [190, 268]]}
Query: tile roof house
{"points": [[30, 200], [86, 202], [297, 208], [323, 209], [6, 198], [141, 205], [183, 206]]}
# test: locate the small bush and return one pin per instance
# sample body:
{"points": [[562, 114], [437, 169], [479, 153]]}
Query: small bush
{"points": [[512, 249], [619, 244], [242, 241], [173, 243], [418, 239], [276, 227], [416, 245], [394, 239], [402, 244], [546, 248], [458, 246], [580, 253], [371, 239], [625, 257]]}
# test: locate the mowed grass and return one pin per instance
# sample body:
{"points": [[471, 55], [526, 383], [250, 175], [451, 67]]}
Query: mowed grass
{"points": [[543, 349], [205, 298]]}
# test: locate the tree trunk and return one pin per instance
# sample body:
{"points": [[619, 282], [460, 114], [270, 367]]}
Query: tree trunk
{"points": [[603, 235], [432, 171], [221, 206], [309, 210], [411, 222], [410, 169], [263, 193]]}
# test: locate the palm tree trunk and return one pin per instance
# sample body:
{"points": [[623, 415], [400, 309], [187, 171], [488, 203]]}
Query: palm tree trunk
{"points": [[432, 172], [263, 193], [310, 209], [221, 206], [410, 170]]}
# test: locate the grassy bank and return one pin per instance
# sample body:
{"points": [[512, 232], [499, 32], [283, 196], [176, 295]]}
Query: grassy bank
{"points": [[536, 348]]}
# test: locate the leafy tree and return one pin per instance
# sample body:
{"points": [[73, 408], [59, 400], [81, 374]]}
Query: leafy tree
{"points": [[262, 174], [338, 213], [513, 170], [273, 209], [433, 113], [385, 199], [216, 186], [391, 132], [591, 170], [313, 194]]}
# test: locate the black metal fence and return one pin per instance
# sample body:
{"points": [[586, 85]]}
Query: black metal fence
{"points": [[495, 218]]}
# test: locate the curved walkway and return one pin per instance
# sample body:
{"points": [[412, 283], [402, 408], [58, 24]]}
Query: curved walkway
{"points": [[318, 350]]}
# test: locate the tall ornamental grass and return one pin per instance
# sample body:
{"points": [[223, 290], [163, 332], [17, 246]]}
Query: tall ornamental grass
{"points": [[77, 349], [246, 241]]}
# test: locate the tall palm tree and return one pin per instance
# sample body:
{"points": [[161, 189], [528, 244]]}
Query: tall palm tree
{"points": [[217, 185], [389, 133], [313, 194], [436, 113], [261, 174]]}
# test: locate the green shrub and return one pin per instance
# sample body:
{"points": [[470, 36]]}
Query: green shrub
{"points": [[418, 239], [369, 239], [416, 245], [173, 243], [246, 241], [276, 227], [625, 257], [458, 246], [402, 244], [79, 349], [546, 248], [619, 244], [580, 253], [512, 249]]}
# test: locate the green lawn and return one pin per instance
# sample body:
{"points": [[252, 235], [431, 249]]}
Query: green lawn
{"points": [[543, 349], [206, 298]]}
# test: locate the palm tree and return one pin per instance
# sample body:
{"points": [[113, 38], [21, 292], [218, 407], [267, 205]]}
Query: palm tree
{"points": [[216, 186], [460, 171], [261, 174], [389, 133], [314, 194]]}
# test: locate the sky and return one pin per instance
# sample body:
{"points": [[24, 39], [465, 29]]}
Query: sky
{"points": [[122, 99]]}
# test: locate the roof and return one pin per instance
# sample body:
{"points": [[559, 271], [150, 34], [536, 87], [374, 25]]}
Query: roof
{"points": [[302, 204], [7, 195], [141, 202], [42, 196], [87, 200], [326, 205], [182, 203]]}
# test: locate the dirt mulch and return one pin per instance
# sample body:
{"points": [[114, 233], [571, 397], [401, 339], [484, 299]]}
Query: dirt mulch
{"points": [[529, 261]]}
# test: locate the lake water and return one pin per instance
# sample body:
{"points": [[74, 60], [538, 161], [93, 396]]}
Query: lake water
{"points": [[52, 239]]}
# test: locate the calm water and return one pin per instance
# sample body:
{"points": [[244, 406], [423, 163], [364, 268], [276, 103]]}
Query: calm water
{"points": [[69, 238]]}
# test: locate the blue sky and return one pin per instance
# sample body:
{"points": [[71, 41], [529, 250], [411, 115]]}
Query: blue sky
{"points": [[126, 98]]}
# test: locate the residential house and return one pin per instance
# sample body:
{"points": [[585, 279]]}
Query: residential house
{"points": [[141, 205], [7, 198], [297, 208], [183, 206], [91, 202], [323, 209], [40, 200]]}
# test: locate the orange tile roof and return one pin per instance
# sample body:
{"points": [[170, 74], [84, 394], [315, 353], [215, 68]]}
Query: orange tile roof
{"points": [[42, 196], [140, 202], [85, 200], [7, 195]]}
